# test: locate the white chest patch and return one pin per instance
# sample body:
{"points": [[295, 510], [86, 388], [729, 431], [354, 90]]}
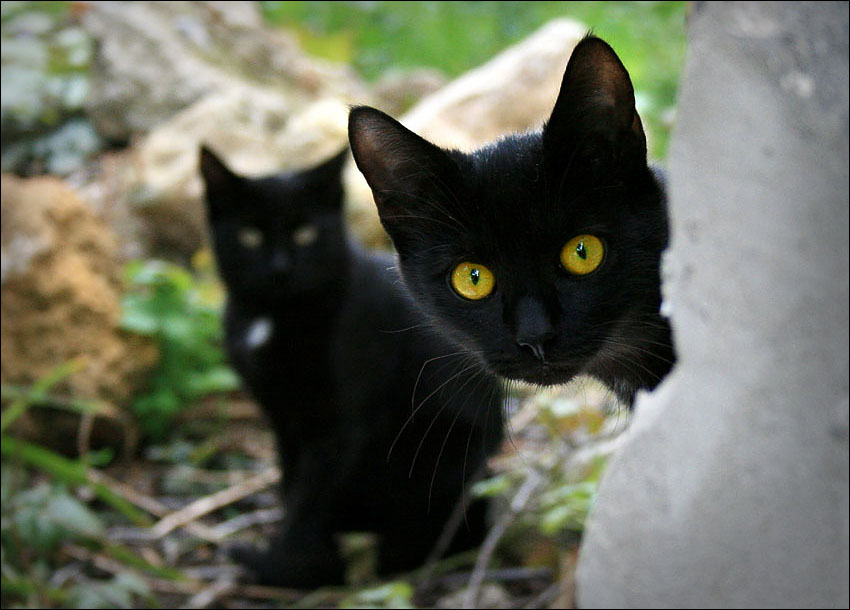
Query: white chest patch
{"points": [[259, 333]]}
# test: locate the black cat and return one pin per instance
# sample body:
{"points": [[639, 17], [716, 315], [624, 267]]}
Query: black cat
{"points": [[538, 253], [380, 422]]}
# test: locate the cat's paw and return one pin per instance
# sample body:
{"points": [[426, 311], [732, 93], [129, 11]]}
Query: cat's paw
{"points": [[300, 570]]}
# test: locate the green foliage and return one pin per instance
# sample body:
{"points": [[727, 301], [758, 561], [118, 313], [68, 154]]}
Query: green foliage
{"points": [[42, 514], [166, 303], [397, 594], [72, 472], [564, 486], [562, 506], [38, 519], [118, 592], [457, 36], [46, 515], [23, 400], [45, 80]]}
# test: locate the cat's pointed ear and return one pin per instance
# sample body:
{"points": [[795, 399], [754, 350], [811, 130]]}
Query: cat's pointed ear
{"points": [[329, 170], [220, 181], [403, 169], [594, 120], [324, 181], [216, 174]]}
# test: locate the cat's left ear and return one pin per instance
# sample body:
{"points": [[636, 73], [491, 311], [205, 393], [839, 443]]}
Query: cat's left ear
{"points": [[220, 182], [217, 175], [594, 121]]}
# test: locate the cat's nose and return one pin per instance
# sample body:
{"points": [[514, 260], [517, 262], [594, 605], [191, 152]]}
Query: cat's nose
{"points": [[281, 262], [536, 349], [533, 327]]}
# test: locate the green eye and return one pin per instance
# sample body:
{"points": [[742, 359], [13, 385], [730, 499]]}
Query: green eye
{"points": [[583, 254], [472, 281]]}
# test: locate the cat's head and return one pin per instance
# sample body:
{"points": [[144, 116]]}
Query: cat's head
{"points": [[277, 237], [539, 252]]}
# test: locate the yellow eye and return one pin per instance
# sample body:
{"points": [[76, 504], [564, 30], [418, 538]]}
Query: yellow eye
{"points": [[472, 281], [582, 254], [250, 238]]}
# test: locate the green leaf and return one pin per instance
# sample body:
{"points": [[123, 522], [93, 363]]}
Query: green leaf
{"points": [[38, 390], [137, 316], [492, 487], [74, 516], [68, 471], [217, 379], [397, 594]]}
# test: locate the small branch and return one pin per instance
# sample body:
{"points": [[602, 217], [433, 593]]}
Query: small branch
{"points": [[208, 595], [148, 504], [208, 504], [236, 524], [531, 483]]}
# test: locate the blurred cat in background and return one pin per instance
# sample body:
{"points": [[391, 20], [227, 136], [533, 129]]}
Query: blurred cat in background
{"points": [[380, 422]]}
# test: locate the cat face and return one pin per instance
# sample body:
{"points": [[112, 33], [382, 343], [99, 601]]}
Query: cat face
{"points": [[278, 237], [540, 252]]}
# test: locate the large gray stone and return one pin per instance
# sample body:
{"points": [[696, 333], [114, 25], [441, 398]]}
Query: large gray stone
{"points": [[155, 59], [732, 487]]}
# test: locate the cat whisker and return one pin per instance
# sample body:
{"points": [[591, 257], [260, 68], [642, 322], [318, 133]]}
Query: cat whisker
{"points": [[621, 359], [633, 346], [479, 376], [404, 330], [494, 391], [434, 420], [413, 407]]}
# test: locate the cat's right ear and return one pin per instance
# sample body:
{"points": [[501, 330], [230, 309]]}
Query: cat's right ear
{"points": [[594, 125], [402, 169]]}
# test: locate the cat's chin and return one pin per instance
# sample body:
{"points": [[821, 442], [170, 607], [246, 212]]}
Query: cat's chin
{"points": [[540, 375]]}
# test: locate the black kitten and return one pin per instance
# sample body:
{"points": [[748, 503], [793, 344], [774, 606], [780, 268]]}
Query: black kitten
{"points": [[379, 422], [538, 253]]}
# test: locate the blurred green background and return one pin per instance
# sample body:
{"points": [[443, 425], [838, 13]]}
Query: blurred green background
{"points": [[455, 36]]}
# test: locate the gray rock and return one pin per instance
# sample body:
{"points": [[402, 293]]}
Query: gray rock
{"points": [[256, 131], [732, 487], [156, 58]]}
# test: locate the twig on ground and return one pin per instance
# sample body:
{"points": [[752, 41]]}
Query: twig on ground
{"points": [[258, 517], [208, 595], [529, 486], [208, 504], [148, 504]]}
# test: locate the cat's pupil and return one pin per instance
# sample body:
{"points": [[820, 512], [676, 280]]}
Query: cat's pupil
{"points": [[581, 251], [474, 276]]}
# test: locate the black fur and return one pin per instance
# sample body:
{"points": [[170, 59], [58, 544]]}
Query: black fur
{"points": [[512, 206], [380, 422]]}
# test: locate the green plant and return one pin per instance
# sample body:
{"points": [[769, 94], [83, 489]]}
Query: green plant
{"points": [[397, 594], [166, 302], [39, 520]]}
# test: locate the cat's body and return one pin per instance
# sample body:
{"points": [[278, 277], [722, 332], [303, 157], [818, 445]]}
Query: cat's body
{"points": [[379, 422], [538, 253]]}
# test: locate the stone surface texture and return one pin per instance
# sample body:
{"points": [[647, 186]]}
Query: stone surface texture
{"points": [[731, 489]]}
